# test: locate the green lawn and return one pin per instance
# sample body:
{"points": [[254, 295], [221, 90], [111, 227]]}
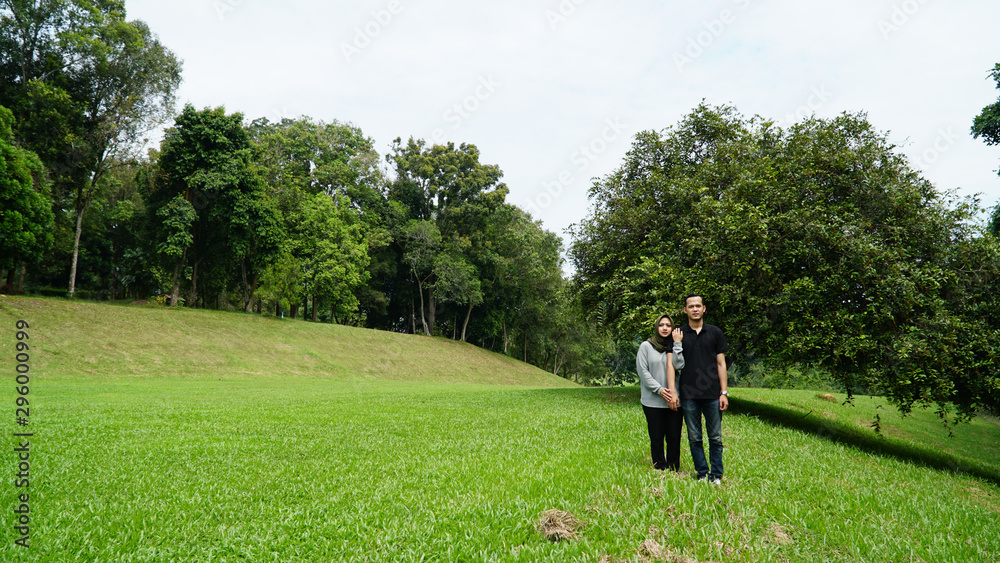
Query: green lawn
{"points": [[242, 463]]}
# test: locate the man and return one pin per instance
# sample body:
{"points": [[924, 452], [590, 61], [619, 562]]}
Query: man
{"points": [[703, 387]]}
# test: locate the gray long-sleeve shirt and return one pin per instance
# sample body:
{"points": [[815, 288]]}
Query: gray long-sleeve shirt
{"points": [[652, 369]]}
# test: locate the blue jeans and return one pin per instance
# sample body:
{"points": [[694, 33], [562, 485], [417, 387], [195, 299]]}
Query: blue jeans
{"points": [[693, 411]]}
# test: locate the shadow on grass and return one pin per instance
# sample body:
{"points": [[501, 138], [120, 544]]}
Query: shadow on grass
{"points": [[861, 439], [833, 430]]}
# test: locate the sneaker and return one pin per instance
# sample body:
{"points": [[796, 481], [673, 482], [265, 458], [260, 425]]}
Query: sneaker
{"points": [[716, 481]]}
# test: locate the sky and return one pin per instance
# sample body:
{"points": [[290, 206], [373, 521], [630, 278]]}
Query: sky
{"points": [[554, 91]]}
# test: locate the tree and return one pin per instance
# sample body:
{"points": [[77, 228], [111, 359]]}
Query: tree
{"points": [[300, 158], [457, 282], [331, 246], [817, 244], [206, 159], [987, 126], [447, 188], [176, 218], [281, 282], [25, 206], [107, 80], [422, 242]]}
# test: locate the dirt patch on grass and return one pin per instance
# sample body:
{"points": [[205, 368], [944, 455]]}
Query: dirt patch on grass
{"points": [[558, 525], [779, 535]]}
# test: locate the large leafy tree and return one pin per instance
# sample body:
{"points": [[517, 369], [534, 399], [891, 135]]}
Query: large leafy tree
{"points": [[329, 241], [445, 189], [206, 160], [25, 205], [816, 244], [85, 85], [302, 158]]}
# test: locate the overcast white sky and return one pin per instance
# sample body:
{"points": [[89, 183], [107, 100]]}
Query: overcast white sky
{"points": [[553, 91]]}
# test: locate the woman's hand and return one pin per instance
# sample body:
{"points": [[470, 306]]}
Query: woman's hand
{"points": [[672, 400], [677, 334]]}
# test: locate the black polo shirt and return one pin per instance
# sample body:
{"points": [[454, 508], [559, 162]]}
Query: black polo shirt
{"points": [[700, 377]]}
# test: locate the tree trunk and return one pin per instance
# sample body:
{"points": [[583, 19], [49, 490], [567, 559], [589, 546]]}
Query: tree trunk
{"points": [[423, 317], [193, 296], [20, 279], [175, 293], [9, 283], [246, 286], [465, 325], [76, 250], [314, 303], [251, 303], [431, 312], [83, 202], [113, 277], [525, 346], [505, 340], [294, 311]]}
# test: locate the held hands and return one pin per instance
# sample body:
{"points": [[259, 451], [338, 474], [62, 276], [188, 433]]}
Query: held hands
{"points": [[672, 400]]}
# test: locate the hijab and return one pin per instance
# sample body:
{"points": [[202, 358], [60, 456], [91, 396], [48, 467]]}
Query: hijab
{"points": [[661, 344]]}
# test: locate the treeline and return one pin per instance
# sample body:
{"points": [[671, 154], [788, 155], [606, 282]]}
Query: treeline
{"points": [[300, 218]]}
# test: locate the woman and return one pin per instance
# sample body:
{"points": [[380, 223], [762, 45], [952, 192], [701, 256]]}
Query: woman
{"points": [[663, 418]]}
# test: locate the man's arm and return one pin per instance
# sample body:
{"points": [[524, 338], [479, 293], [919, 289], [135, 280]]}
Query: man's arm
{"points": [[720, 362], [678, 355]]}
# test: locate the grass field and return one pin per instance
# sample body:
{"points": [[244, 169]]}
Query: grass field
{"points": [[200, 436]]}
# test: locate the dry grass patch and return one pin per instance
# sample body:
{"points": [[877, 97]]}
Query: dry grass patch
{"points": [[779, 535], [557, 525]]}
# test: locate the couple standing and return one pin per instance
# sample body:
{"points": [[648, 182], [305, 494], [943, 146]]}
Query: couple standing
{"points": [[698, 349]]}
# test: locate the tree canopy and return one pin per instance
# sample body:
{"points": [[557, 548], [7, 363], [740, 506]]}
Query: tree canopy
{"points": [[25, 205], [818, 244]]}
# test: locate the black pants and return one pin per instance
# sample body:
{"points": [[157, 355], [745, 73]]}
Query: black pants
{"points": [[664, 424]]}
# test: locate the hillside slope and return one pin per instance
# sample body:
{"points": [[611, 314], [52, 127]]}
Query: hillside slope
{"points": [[74, 338]]}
